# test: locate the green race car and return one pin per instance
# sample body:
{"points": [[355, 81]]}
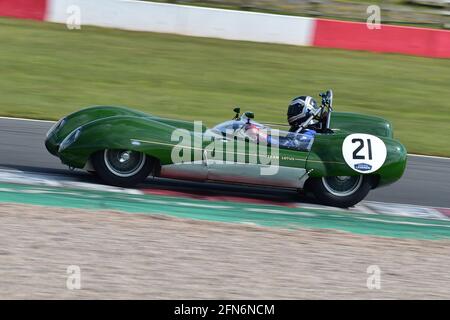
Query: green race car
{"points": [[340, 161]]}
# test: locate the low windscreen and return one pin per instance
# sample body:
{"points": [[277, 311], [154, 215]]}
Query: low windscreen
{"points": [[259, 133]]}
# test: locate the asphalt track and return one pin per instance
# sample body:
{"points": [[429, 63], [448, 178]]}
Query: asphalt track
{"points": [[426, 181]]}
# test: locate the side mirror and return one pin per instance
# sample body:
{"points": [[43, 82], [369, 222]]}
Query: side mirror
{"points": [[250, 115], [237, 110], [327, 97]]}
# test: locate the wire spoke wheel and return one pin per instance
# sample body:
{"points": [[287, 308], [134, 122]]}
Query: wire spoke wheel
{"points": [[124, 163], [341, 191], [342, 186]]}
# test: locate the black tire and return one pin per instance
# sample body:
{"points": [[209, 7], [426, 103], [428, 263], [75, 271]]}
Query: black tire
{"points": [[333, 191], [115, 171]]}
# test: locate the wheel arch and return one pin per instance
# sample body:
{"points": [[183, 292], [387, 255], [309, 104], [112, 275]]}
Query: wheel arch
{"points": [[326, 159], [120, 132]]}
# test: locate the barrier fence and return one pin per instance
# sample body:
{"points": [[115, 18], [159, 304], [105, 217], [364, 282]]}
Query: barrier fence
{"points": [[235, 25]]}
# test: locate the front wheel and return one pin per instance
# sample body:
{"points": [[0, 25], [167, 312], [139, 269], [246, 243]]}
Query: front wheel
{"points": [[340, 191], [123, 168]]}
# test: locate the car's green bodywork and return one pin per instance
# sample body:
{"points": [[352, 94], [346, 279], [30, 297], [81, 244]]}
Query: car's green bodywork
{"points": [[105, 127]]}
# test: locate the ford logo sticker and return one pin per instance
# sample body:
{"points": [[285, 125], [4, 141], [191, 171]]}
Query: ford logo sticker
{"points": [[363, 167]]}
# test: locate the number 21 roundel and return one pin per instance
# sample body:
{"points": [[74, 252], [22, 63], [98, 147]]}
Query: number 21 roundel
{"points": [[364, 153]]}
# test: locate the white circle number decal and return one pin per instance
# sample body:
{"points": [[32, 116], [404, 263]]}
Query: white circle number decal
{"points": [[364, 153]]}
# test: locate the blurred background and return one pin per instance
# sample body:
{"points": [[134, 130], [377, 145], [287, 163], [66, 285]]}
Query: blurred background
{"points": [[183, 60], [49, 70], [433, 13]]}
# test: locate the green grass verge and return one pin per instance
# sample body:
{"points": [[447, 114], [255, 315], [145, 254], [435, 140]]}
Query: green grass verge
{"points": [[48, 71]]}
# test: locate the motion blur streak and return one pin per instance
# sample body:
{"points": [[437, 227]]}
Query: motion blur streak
{"points": [[23, 9], [405, 40], [237, 25]]}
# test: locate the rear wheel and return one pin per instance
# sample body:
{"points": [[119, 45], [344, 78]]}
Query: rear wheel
{"points": [[123, 168], [340, 191]]}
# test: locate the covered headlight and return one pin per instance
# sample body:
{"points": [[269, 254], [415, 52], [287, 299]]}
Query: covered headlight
{"points": [[71, 138], [56, 126]]}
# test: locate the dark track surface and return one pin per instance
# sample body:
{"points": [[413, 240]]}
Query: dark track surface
{"points": [[426, 181]]}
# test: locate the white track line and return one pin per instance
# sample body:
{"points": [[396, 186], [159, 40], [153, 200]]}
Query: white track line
{"points": [[425, 156], [403, 204], [403, 222], [50, 121], [31, 120]]}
